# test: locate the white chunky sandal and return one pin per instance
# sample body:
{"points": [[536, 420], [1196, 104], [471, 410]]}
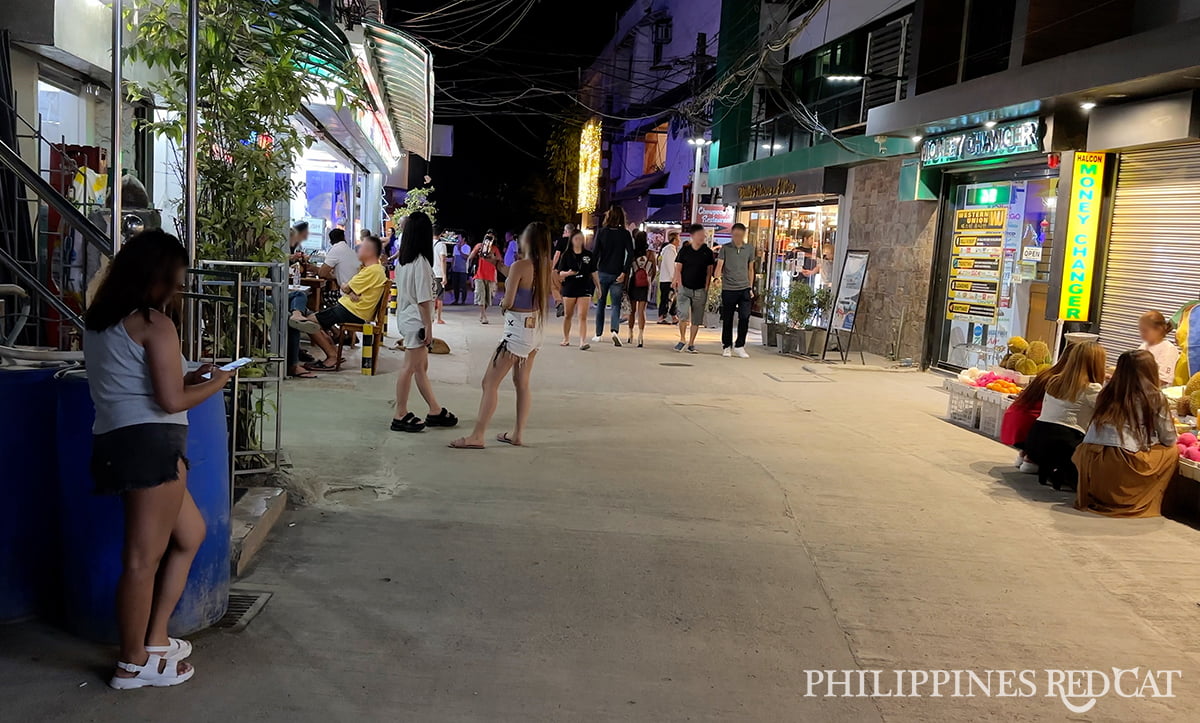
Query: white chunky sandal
{"points": [[148, 676], [176, 649]]}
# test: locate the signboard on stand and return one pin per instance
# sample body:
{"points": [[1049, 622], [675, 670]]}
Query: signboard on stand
{"points": [[1083, 223], [846, 301]]}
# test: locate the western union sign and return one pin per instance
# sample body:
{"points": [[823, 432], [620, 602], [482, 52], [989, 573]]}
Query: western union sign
{"points": [[1079, 261]]}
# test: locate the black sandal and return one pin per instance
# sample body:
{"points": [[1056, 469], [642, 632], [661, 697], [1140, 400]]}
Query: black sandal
{"points": [[442, 419], [409, 423]]}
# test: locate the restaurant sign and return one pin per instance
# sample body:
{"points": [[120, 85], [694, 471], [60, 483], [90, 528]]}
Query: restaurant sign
{"points": [[769, 189], [1003, 139], [1083, 223]]}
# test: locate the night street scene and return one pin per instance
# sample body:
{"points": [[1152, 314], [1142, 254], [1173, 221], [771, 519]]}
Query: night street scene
{"points": [[460, 361]]}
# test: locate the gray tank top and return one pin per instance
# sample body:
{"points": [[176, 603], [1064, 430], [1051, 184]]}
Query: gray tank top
{"points": [[120, 384]]}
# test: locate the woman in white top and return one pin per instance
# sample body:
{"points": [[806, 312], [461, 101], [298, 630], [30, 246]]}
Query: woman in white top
{"points": [[415, 288], [1128, 457], [1066, 413], [139, 448], [1154, 327]]}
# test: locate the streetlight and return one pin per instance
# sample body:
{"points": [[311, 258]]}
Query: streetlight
{"points": [[700, 144]]}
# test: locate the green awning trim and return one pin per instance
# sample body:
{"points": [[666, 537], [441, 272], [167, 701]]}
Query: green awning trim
{"points": [[404, 68]]}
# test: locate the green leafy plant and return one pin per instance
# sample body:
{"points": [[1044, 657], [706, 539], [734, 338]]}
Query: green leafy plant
{"points": [[417, 199], [802, 304]]}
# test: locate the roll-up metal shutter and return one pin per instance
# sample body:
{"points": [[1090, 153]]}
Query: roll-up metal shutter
{"points": [[1154, 243]]}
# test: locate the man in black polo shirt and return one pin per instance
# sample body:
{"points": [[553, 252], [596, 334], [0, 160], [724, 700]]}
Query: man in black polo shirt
{"points": [[693, 272]]}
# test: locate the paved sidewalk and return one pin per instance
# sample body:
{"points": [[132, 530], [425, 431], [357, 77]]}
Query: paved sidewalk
{"points": [[677, 543]]}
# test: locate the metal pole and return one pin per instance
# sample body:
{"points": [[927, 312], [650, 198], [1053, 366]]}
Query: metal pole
{"points": [[114, 163], [190, 133], [695, 217]]}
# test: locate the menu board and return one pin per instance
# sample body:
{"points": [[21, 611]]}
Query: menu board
{"points": [[976, 265]]}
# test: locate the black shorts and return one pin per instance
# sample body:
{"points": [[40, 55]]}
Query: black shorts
{"points": [[576, 288], [638, 293], [137, 457], [336, 314]]}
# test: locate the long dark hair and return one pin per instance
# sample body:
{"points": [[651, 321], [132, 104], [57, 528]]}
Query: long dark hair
{"points": [[1035, 393], [614, 217], [416, 239], [541, 253], [1132, 399], [1085, 366], [143, 276]]}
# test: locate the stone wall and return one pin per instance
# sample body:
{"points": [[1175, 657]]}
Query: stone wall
{"points": [[901, 236]]}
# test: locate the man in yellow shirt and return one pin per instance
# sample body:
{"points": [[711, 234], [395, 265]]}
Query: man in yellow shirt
{"points": [[359, 302]]}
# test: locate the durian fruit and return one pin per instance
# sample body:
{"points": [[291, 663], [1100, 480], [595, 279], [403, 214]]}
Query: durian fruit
{"points": [[1017, 345], [1043, 367], [1183, 408], [1015, 361], [1028, 367], [1039, 352], [1193, 385], [1193, 402]]}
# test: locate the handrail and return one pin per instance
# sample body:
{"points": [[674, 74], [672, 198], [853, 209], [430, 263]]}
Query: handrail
{"points": [[42, 188], [31, 283]]}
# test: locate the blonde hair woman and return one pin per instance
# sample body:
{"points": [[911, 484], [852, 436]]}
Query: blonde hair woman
{"points": [[526, 305]]}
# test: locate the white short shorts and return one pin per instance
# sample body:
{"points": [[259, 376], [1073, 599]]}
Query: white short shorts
{"points": [[412, 333], [522, 333]]}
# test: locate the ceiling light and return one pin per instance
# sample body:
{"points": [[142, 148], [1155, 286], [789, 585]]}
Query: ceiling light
{"points": [[843, 78], [917, 139], [1088, 104], [990, 124]]}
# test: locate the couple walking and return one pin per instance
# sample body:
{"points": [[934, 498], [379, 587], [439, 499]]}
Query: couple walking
{"points": [[622, 266], [525, 306]]}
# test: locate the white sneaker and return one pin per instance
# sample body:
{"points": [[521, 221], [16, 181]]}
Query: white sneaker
{"points": [[727, 351], [740, 352], [1020, 461], [1029, 468], [616, 339], [597, 338]]}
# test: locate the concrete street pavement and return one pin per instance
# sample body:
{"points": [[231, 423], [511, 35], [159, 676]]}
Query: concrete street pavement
{"points": [[677, 543]]}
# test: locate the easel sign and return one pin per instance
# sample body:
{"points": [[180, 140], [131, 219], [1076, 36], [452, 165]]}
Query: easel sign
{"points": [[845, 304]]}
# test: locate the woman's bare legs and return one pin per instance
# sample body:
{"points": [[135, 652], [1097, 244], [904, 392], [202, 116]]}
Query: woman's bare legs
{"points": [[151, 516], [584, 304], [496, 372], [639, 311], [416, 366], [520, 377], [568, 318], [186, 538]]}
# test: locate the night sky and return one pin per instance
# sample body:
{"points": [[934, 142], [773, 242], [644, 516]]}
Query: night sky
{"points": [[499, 151]]}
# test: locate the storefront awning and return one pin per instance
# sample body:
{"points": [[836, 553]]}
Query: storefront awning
{"points": [[671, 213], [640, 185], [405, 68]]}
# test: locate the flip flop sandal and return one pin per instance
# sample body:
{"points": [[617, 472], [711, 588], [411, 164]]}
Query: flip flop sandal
{"points": [[321, 367], [147, 676], [306, 375], [585, 347], [564, 343], [461, 443], [304, 325], [175, 650], [503, 437]]}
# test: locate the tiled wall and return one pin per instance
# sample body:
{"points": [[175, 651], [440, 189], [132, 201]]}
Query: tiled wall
{"points": [[901, 236]]}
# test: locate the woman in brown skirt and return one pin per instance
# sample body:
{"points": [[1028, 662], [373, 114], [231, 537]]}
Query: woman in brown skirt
{"points": [[1128, 455]]}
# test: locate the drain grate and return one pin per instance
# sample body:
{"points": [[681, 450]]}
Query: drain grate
{"points": [[243, 606], [674, 364]]}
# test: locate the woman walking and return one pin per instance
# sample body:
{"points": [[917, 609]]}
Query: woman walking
{"points": [[641, 275], [139, 448], [415, 289], [576, 269], [614, 253], [526, 304]]}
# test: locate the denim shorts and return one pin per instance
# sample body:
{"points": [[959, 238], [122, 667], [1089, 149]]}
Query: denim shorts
{"points": [[138, 457]]}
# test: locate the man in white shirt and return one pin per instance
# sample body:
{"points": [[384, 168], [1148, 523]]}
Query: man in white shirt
{"points": [[439, 276], [666, 276], [341, 261]]}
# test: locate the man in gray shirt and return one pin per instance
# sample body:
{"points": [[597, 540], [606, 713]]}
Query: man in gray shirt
{"points": [[735, 268]]}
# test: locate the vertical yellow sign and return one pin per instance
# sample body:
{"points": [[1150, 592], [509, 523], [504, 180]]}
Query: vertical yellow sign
{"points": [[590, 141], [1083, 224]]}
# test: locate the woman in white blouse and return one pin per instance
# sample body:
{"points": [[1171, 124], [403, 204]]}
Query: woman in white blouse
{"points": [[1154, 328]]}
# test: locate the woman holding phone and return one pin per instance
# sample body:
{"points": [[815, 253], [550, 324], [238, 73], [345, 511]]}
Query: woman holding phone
{"points": [[139, 448]]}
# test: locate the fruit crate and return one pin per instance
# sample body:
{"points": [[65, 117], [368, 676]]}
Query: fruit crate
{"points": [[992, 406], [963, 408]]}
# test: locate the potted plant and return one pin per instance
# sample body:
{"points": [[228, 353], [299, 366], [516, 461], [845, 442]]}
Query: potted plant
{"points": [[818, 332], [796, 304], [712, 307], [772, 314]]}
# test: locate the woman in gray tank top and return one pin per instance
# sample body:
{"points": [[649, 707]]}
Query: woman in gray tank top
{"points": [[139, 448]]}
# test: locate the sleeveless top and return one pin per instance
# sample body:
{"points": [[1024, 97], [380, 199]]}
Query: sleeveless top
{"points": [[119, 378], [523, 300]]}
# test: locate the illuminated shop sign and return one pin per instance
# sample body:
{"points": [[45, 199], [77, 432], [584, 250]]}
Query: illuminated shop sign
{"points": [[374, 123], [1083, 223], [589, 166], [767, 189], [1005, 139]]}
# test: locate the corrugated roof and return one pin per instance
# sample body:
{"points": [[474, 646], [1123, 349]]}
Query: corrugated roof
{"points": [[405, 68]]}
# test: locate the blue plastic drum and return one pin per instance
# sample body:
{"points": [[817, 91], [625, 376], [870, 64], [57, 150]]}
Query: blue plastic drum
{"points": [[29, 482], [93, 525]]}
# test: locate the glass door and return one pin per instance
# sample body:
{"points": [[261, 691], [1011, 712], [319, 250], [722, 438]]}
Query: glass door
{"points": [[758, 234]]}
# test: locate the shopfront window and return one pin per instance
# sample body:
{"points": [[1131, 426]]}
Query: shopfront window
{"points": [[805, 247], [758, 235], [996, 246]]}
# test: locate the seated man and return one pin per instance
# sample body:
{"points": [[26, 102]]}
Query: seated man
{"points": [[360, 299]]}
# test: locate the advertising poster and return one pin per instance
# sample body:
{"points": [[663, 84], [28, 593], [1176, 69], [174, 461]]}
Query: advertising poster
{"points": [[977, 265], [845, 306]]}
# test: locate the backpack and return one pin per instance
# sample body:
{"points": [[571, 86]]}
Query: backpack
{"points": [[641, 279]]}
